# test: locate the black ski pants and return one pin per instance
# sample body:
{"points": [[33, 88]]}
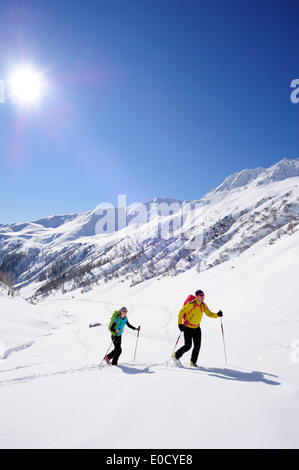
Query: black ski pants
{"points": [[114, 355], [190, 334]]}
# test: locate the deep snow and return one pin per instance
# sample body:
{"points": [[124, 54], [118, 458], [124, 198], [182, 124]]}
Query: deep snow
{"points": [[54, 394]]}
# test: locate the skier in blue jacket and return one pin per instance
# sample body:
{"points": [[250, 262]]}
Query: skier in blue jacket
{"points": [[117, 329]]}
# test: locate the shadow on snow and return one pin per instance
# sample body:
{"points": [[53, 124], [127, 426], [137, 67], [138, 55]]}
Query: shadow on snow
{"points": [[135, 370], [241, 376], [222, 373]]}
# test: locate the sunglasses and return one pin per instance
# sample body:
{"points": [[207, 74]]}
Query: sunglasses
{"points": [[201, 295]]}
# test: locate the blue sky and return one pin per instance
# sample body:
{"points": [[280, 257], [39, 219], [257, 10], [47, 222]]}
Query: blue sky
{"points": [[145, 98]]}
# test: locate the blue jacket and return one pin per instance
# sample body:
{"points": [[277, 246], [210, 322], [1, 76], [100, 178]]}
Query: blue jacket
{"points": [[120, 323]]}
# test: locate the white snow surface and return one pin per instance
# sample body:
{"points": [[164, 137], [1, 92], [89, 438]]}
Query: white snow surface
{"points": [[54, 394]]}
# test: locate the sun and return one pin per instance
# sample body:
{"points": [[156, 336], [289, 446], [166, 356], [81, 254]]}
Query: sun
{"points": [[27, 86]]}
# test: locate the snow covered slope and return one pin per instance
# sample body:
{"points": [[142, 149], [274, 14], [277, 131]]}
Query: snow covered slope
{"points": [[68, 252], [286, 168], [56, 396]]}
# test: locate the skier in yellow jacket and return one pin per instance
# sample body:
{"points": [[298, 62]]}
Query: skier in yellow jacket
{"points": [[189, 320]]}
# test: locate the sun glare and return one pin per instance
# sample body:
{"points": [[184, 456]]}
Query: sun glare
{"points": [[27, 86]]}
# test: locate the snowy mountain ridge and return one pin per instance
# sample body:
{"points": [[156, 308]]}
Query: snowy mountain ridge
{"points": [[68, 252], [286, 168]]}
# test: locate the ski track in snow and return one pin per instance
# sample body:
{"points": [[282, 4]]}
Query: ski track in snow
{"points": [[130, 368], [88, 349], [52, 371], [227, 373]]}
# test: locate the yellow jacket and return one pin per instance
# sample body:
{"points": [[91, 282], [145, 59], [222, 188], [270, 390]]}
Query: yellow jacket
{"points": [[191, 314]]}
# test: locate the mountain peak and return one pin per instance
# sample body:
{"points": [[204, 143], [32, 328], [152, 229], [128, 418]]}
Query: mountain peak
{"points": [[285, 168]]}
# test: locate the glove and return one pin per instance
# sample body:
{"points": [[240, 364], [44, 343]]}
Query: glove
{"points": [[181, 327], [138, 329], [220, 314]]}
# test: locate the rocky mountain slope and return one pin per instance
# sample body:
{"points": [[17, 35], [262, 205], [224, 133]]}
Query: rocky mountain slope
{"points": [[163, 237]]}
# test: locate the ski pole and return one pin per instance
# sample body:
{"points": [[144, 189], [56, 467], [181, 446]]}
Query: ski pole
{"points": [[174, 349], [223, 340], [136, 343], [107, 352]]}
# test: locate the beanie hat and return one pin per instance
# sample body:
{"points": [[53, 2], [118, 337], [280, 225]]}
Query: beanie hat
{"points": [[198, 292]]}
